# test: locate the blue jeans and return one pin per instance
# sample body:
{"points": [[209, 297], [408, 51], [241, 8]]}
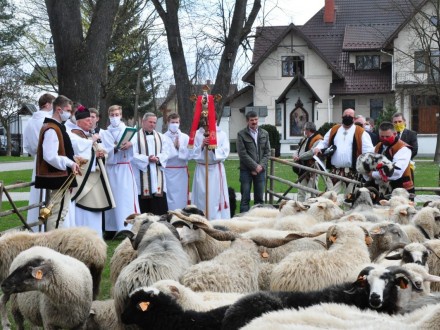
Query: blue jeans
{"points": [[246, 180]]}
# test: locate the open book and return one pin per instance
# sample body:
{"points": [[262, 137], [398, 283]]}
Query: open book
{"points": [[126, 136]]}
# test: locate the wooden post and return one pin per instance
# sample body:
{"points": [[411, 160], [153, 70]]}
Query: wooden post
{"points": [[272, 172]]}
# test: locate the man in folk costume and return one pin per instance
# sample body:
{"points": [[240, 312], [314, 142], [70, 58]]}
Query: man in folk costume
{"points": [[119, 171], [176, 171], [151, 153], [93, 194], [30, 143], [350, 141], [304, 156], [399, 153], [217, 144], [55, 161]]}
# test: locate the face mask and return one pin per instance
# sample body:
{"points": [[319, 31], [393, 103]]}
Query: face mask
{"points": [[65, 115], [367, 128], [399, 127], [115, 121], [173, 127], [347, 120], [388, 141]]}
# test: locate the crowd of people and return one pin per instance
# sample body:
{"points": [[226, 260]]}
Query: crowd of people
{"points": [[348, 140], [99, 177]]}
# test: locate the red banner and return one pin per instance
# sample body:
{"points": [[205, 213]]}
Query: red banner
{"points": [[212, 127]]}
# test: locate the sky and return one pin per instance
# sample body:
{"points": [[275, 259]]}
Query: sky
{"points": [[293, 11]]}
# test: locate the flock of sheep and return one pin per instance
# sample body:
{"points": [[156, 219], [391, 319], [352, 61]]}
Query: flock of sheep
{"points": [[302, 266]]}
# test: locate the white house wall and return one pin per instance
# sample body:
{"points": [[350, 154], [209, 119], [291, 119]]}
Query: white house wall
{"points": [[269, 83]]}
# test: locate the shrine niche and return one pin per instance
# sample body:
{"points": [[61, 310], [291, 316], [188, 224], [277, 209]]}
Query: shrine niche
{"points": [[298, 117]]}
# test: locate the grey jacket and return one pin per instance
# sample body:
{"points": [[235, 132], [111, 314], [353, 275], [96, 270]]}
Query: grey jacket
{"points": [[250, 155]]}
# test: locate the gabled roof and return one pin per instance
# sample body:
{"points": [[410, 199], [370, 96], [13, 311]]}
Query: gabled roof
{"points": [[359, 25], [269, 42], [298, 79]]}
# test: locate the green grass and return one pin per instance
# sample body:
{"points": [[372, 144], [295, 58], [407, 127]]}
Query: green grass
{"points": [[13, 177], [4, 159]]}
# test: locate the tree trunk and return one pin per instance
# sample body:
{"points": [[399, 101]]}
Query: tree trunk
{"points": [[81, 61], [183, 89]]}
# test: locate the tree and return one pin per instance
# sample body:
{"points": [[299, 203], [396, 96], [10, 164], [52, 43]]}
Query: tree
{"points": [[12, 96], [81, 56], [233, 33], [10, 33]]}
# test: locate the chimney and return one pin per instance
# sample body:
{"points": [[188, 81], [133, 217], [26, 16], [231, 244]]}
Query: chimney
{"points": [[329, 11]]}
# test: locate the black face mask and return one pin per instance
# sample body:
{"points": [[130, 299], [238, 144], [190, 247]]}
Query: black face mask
{"points": [[347, 120]]}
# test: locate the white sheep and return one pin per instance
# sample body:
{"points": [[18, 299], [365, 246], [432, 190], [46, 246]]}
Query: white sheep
{"points": [[341, 316], [198, 301], [103, 316], [402, 214], [424, 225], [160, 256], [52, 290], [313, 270]]}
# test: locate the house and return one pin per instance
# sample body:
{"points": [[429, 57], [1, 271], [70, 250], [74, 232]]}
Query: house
{"points": [[351, 54]]}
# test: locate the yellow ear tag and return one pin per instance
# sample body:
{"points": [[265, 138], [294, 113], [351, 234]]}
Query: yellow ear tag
{"points": [[144, 305], [264, 254], [403, 285], [368, 240], [39, 274], [332, 238]]}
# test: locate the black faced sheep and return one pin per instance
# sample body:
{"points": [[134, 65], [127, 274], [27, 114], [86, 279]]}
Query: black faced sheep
{"points": [[375, 288], [53, 290], [148, 308]]}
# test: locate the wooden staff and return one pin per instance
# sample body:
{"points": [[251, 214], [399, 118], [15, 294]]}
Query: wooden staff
{"points": [[206, 134]]}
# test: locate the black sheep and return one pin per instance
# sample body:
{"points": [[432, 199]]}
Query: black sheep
{"points": [[358, 294], [149, 308]]}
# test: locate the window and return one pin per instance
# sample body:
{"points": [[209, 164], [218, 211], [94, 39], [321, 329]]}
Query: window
{"points": [[376, 107], [420, 62], [292, 65], [348, 104], [424, 109], [278, 115], [367, 62]]}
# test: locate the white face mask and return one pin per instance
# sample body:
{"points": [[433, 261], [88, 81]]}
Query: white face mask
{"points": [[367, 128], [65, 115], [173, 127], [115, 121]]}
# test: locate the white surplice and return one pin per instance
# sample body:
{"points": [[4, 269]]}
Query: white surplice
{"points": [[31, 135], [218, 201], [121, 177], [176, 172]]}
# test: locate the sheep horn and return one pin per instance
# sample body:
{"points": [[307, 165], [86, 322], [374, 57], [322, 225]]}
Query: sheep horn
{"points": [[426, 203], [142, 230], [125, 233], [396, 256], [396, 246], [274, 243], [283, 202], [130, 219], [396, 270], [172, 229], [431, 249], [219, 235], [320, 242]]}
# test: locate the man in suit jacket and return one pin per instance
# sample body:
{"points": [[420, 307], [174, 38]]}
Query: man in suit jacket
{"points": [[404, 134]]}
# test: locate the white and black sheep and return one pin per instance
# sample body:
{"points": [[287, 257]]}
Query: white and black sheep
{"points": [[149, 308], [52, 290], [375, 288]]}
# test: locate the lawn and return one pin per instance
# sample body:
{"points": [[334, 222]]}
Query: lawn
{"points": [[14, 159]]}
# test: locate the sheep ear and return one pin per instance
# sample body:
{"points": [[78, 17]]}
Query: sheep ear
{"points": [[378, 231], [174, 291], [40, 272], [402, 282], [321, 205], [384, 202], [403, 212]]}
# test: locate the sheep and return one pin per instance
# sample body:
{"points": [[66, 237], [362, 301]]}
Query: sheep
{"points": [[341, 316], [102, 316], [385, 236], [371, 161], [160, 256], [149, 308], [412, 253], [198, 301], [235, 269], [403, 214], [314, 270], [375, 288], [424, 225], [48, 284], [81, 243]]}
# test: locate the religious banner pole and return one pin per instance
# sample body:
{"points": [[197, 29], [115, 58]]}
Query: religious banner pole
{"points": [[204, 112]]}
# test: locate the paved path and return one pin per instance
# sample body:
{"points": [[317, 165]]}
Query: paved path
{"points": [[14, 166]]}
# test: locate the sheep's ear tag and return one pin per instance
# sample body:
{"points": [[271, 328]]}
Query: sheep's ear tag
{"points": [[38, 274], [332, 238], [143, 305], [368, 240], [403, 284], [264, 254]]}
